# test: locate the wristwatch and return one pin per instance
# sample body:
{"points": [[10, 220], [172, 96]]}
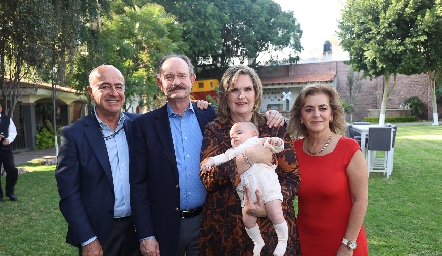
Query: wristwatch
{"points": [[352, 245]]}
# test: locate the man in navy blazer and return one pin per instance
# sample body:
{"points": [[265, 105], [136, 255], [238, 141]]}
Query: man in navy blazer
{"points": [[167, 194], [93, 172]]}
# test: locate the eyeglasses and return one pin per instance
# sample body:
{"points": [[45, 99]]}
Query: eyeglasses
{"points": [[171, 78]]}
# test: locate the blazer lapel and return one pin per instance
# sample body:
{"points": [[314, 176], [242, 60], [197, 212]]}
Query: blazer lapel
{"points": [[128, 128], [162, 127], [96, 142]]}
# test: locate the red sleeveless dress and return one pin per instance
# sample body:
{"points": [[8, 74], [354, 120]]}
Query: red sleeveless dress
{"points": [[324, 201]]}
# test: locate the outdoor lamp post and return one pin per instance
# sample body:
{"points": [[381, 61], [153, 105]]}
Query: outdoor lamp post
{"points": [[54, 75]]}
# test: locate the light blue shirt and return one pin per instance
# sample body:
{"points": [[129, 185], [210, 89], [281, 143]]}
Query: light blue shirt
{"points": [[187, 140], [118, 152]]}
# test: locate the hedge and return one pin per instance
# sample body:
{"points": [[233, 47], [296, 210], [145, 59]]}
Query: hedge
{"points": [[391, 119]]}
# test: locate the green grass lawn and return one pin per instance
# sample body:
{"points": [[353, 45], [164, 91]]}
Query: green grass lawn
{"points": [[404, 213], [34, 225]]}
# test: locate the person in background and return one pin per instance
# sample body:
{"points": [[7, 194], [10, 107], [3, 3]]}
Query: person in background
{"points": [[8, 132], [93, 172], [167, 195], [259, 176], [222, 232], [333, 196]]}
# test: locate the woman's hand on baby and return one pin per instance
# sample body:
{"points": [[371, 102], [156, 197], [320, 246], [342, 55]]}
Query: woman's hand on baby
{"points": [[260, 154], [275, 141]]}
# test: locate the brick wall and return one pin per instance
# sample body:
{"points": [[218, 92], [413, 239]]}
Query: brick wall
{"points": [[370, 95]]}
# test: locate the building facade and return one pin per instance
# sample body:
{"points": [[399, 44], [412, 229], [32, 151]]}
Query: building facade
{"points": [[285, 78], [34, 106]]}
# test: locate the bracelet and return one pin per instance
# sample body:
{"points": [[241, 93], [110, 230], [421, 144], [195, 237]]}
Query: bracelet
{"points": [[246, 159]]}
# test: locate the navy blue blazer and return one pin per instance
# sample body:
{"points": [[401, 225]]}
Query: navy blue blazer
{"points": [[154, 184], [84, 180]]}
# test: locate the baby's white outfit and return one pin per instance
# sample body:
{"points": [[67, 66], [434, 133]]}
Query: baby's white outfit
{"points": [[259, 176]]}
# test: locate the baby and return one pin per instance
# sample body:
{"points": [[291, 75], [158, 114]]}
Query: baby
{"points": [[259, 176]]}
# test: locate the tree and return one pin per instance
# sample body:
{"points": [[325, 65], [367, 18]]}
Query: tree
{"points": [[353, 86], [24, 46], [202, 22], [376, 33], [221, 31], [36, 36], [69, 19], [255, 28], [426, 43], [134, 41], [77, 28]]}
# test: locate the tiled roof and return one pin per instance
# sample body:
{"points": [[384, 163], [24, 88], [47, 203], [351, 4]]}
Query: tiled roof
{"points": [[299, 79], [57, 87], [26, 84]]}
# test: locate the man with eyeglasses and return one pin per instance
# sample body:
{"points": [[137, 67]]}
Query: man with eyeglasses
{"points": [[93, 172], [167, 194]]}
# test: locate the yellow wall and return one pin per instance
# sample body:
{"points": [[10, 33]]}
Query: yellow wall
{"points": [[205, 85]]}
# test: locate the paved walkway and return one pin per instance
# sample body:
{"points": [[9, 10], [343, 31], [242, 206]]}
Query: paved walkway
{"points": [[24, 157]]}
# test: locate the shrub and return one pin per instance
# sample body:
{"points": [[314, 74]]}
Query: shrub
{"points": [[45, 137], [391, 119], [348, 108], [418, 108]]}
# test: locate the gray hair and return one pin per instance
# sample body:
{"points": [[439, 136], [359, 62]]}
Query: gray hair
{"points": [[173, 55]]}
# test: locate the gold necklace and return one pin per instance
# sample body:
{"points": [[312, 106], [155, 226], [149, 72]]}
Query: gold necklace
{"points": [[323, 148]]}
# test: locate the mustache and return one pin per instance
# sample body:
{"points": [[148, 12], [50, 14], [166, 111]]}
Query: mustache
{"points": [[176, 87]]}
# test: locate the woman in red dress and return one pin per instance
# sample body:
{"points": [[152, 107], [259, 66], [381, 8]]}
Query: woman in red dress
{"points": [[333, 196]]}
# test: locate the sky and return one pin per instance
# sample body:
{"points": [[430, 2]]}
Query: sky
{"points": [[318, 21]]}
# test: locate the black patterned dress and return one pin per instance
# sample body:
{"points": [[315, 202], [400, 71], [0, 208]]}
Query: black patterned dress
{"points": [[223, 231]]}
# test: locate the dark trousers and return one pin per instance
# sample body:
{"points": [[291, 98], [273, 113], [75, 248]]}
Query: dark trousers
{"points": [[122, 240], [7, 159], [189, 236]]}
